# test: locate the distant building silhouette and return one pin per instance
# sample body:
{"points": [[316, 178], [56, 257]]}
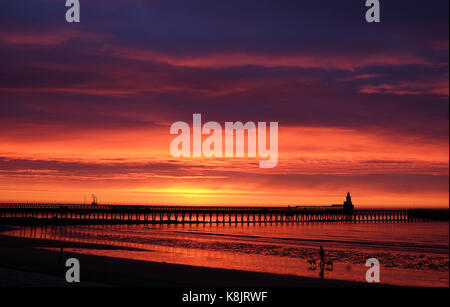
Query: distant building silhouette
{"points": [[348, 205]]}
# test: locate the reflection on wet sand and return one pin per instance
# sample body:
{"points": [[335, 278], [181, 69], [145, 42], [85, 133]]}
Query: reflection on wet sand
{"points": [[412, 254]]}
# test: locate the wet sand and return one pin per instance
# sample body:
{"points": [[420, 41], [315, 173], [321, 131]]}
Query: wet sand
{"points": [[24, 263]]}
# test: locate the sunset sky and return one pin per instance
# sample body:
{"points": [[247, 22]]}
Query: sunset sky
{"points": [[87, 108]]}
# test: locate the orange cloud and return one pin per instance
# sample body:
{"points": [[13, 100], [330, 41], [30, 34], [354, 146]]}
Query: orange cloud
{"points": [[316, 166]]}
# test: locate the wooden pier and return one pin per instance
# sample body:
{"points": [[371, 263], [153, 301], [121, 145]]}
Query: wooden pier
{"points": [[115, 214]]}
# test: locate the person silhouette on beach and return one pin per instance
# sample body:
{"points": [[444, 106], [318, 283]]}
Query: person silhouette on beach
{"points": [[322, 257]]}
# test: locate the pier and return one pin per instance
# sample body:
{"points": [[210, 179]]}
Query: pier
{"points": [[124, 214]]}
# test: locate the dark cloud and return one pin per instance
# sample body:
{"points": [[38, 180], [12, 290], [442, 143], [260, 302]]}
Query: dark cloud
{"points": [[129, 57]]}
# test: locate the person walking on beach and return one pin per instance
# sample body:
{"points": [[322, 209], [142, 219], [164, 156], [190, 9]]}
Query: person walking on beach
{"points": [[322, 257]]}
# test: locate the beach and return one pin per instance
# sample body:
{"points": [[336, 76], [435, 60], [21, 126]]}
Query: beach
{"points": [[23, 262], [278, 255]]}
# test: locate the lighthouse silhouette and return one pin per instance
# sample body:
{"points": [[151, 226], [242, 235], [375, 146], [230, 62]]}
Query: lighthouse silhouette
{"points": [[348, 205]]}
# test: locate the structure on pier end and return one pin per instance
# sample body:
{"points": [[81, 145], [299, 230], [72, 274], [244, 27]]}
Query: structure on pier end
{"points": [[347, 205]]}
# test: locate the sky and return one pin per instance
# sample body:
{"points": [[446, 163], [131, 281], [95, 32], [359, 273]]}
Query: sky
{"points": [[87, 107]]}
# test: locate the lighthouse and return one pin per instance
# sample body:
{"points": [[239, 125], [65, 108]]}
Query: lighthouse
{"points": [[348, 205]]}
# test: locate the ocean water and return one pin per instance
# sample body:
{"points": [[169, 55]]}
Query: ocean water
{"points": [[411, 254]]}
